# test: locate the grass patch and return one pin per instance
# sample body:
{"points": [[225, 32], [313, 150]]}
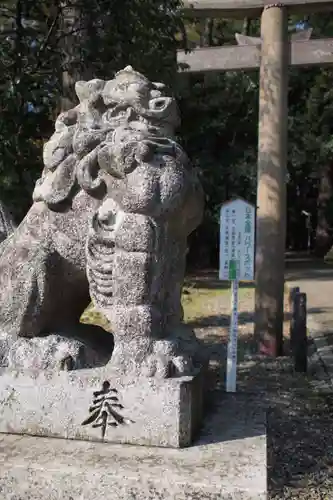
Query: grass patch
{"points": [[92, 317], [197, 300]]}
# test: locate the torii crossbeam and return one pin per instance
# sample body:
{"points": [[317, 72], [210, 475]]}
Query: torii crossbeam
{"points": [[247, 57], [242, 8]]}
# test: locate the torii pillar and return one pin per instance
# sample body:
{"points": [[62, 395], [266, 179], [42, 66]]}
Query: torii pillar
{"points": [[272, 169]]}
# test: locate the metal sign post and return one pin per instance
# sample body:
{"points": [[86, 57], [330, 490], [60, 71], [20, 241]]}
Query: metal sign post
{"points": [[237, 240], [231, 375]]}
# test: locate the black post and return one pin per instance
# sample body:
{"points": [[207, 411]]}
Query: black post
{"points": [[293, 292], [300, 341]]}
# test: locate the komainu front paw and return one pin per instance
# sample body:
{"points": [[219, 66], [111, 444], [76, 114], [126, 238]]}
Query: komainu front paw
{"points": [[166, 360], [177, 355]]}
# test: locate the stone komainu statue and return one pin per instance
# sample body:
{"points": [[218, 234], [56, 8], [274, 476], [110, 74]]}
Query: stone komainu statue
{"points": [[111, 215]]}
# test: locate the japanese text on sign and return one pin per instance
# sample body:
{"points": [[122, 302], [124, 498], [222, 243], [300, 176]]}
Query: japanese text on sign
{"points": [[237, 240]]}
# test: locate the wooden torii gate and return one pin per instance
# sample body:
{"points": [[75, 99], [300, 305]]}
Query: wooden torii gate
{"points": [[271, 53]]}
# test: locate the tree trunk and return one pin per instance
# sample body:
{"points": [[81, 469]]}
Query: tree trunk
{"points": [[325, 194], [209, 33], [246, 26], [69, 24], [73, 27], [202, 25]]}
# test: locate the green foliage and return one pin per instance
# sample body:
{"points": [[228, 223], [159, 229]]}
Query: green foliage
{"points": [[219, 132], [27, 81], [37, 47], [219, 112], [220, 116], [137, 32]]}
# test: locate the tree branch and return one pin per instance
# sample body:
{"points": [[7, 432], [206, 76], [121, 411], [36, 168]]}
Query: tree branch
{"points": [[47, 38]]}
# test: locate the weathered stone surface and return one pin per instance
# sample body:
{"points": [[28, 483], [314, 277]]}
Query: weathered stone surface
{"points": [[56, 352], [144, 411], [137, 240], [227, 463], [7, 224], [115, 204], [43, 283]]}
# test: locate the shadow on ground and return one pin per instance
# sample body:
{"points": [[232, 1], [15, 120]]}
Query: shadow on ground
{"points": [[246, 317], [297, 420], [221, 320], [308, 269], [209, 280], [299, 436]]}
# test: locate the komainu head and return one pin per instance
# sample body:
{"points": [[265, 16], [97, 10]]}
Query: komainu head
{"points": [[129, 109]]}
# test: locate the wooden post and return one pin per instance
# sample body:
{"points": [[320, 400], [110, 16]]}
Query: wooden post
{"points": [[271, 191]]}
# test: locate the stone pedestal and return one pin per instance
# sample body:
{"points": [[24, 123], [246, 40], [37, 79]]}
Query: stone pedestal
{"points": [[100, 405], [228, 462]]}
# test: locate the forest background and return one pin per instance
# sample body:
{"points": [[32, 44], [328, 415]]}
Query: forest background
{"points": [[45, 46]]}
